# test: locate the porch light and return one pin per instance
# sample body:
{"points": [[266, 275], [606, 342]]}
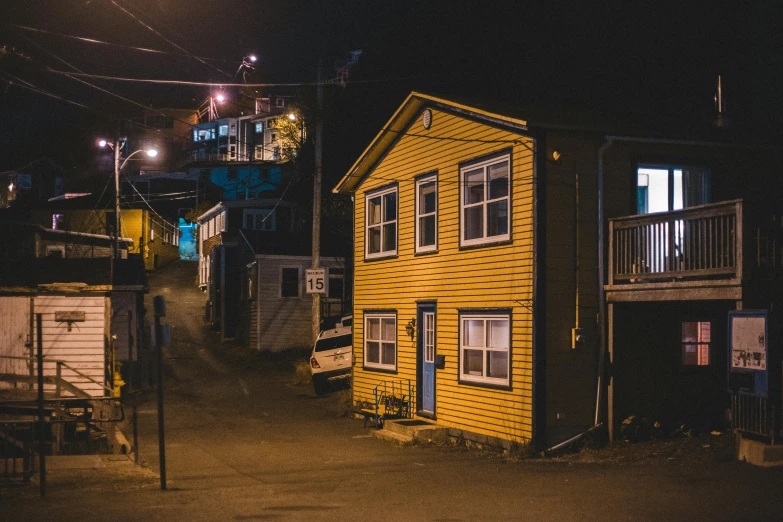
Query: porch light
{"points": [[410, 328], [292, 116]]}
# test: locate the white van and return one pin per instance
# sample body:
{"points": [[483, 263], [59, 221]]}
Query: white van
{"points": [[331, 360]]}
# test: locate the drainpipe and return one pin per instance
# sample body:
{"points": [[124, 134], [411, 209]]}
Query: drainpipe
{"points": [[608, 141]]}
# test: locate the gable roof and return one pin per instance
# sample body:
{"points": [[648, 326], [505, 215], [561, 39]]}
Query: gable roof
{"points": [[407, 112]]}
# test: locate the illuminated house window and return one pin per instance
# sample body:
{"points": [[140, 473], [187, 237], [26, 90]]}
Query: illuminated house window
{"points": [[380, 236], [696, 338], [485, 202], [259, 127], [380, 341], [57, 221], [427, 214], [666, 188], [484, 348], [223, 130], [289, 282]]}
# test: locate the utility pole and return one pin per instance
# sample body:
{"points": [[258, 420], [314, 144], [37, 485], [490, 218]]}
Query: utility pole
{"points": [[316, 254], [117, 197]]}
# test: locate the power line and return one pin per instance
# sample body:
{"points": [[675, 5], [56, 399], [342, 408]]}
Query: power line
{"points": [[71, 76], [27, 85], [111, 44], [218, 84], [150, 28]]}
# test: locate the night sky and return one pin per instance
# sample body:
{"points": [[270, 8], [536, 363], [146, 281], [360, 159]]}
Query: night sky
{"points": [[633, 58]]}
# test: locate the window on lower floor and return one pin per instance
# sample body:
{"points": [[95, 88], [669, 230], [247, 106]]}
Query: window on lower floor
{"points": [[380, 341], [696, 338], [289, 282], [55, 251], [485, 341]]}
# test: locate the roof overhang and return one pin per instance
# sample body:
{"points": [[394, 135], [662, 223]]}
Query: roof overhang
{"points": [[407, 112]]}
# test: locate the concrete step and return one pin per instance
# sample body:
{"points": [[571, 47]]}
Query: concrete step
{"points": [[417, 429], [395, 438], [759, 453]]}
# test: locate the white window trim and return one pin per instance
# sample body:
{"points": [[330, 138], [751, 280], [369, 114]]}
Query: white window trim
{"points": [[484, 239], [427, 248], [379, 365], [483, 379], [367, 198], [298, 284], [55, 248]]}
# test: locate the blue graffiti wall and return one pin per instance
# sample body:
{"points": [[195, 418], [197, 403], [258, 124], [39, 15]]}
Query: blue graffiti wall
{"points": [[187, 243]]}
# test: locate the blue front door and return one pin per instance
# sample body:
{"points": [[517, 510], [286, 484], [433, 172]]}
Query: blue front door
{"points": [[426, 341]]}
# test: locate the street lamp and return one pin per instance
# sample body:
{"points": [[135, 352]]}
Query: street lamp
{"points": [[116, 146]]}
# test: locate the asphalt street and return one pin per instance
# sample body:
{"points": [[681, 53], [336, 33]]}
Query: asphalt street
{"points": [[245, 443]]}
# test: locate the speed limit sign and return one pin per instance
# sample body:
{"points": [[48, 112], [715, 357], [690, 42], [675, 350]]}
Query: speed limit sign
{"points": [[317, 281]]}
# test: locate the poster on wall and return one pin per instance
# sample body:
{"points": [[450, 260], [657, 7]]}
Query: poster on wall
{"points": [[749, 342]]}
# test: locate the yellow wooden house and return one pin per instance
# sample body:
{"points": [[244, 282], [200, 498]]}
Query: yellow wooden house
{"points": [[445, 267], [151, 235]]}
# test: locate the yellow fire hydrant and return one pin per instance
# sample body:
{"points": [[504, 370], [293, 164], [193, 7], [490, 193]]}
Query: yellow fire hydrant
{"points": [[118, 383]]}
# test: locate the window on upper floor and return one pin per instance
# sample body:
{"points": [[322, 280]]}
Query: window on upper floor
{"points": [[259, 219], [204, 134], [289, 282], [427, 214], [280, 102], [485, 202], [662, 188], [380, 341], [380, 235], [259, 128], [223, 130], [485, 341]]}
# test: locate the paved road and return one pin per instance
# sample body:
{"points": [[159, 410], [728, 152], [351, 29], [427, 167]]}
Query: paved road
{"points": [[243, 443]]}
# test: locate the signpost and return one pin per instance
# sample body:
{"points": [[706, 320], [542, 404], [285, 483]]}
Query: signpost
{"points": [[317, 281], [748, 352]]}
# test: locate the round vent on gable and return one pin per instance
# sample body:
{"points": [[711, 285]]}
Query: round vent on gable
{"points": [[426, 118]]}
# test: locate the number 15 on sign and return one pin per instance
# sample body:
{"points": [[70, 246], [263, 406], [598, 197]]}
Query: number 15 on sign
{"points": [[316, 281]]}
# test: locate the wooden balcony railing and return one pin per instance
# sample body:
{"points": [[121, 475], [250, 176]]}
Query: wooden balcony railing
{"points": [[698, 242]]}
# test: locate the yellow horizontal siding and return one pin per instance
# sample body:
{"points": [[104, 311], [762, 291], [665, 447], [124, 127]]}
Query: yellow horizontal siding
{"points": [[486, 277]]}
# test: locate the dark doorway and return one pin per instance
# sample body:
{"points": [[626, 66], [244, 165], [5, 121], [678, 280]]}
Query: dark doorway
{"points": [[670, 362]]}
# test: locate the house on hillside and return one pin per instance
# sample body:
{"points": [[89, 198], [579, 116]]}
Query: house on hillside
{"points": [[275, 310], [252, 261], [90, 322], [155, 238], [488, 242], [36, 182], [244, 153]]}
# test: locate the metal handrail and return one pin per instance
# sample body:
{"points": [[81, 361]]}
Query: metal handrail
{"points": [[62, 364], [381, 395], [703, 241]]}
